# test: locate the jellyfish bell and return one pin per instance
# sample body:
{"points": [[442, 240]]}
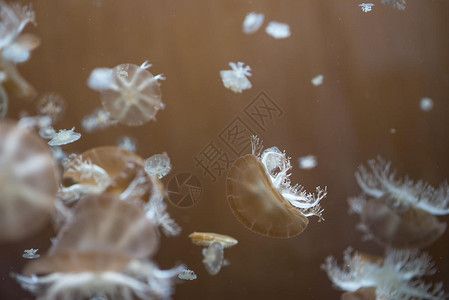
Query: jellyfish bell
{"points": [[130, 93], [205, 239], [29, 180]]}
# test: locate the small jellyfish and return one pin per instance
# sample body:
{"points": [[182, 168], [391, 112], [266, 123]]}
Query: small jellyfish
{"points": [[99, 119], [158, 165], [127, 143], [253, 21], [262, 198], [398, 4], [29, 180], [64, 137], [130, 93], [205, 239], [187, 274], [307, 162], [426, 104], [213, 258], [236, 79], [278, 30], [366, 7], [318, 80], [30, 253], [51, 105]]}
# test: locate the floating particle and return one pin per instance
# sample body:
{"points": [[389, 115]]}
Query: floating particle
{"points": [[130, 93], [29, 180], [64, 137], [252, 22], [158, 165], [393, 130], [262, 198], [51, 105], [4, 100], [30, 254], [187, 274], [278, 30], [99, 119], [236, 79], [398, 4], [213, 257], [205, 239], [426, 104], [318, 80], [127, 143], [307, 162], [366, 7]]}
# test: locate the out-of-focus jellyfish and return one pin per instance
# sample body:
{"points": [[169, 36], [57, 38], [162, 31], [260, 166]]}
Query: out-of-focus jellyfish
{"points": [[398, 228], [205, 239], [396, 276], [30, 253], [51, 105], [318, 80], [104, 250], [426, 104], [236, 79], [187, 274], [99, 119], [278, 30], [366, 7], [398, 4], [213, 258], [29, 181], [64, 137], [127, 143], [262, 197], [130, 93], [252, 22], [307, 162], [158, 165]]}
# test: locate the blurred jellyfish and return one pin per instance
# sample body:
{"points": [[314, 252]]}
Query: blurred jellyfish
{"points": [[64, 137], [187, 274], [307, 162], [158, 165], [205, 239], [213, 258], [426, 104], [103, 251], [127, 143], [51, 105], [396, 276], [29, 181], [398, 4], [278, 30], [398, 228], [262, 197], [30, 253], [318, 80], [99, 119], [366, 7], [252, 22], [236, 79], [130, 93]]}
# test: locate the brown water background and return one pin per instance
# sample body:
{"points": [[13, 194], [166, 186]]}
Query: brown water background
{"points": [[377, 67]]}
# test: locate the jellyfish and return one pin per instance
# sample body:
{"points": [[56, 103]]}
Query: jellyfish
{"points": [[104, 250], [127, 143], [403, 228], [278, 30], [262, 197], [29, 180], [30, 253], [426, 104], [366, 7], [158, 165], [99, 119], [252, 22], [130, 93], [307, 162], [205, 239], [187, 275], [51, 105], [64, 137], [236, 79], [396, 276], [213, 258], [318, 80]]}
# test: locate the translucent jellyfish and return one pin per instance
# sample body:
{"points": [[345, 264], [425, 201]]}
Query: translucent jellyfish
{"points": [[262, 197], [398, 4], [213, 258], [30, 253], [278, 30], [103, 251], [318, 80], [205, 239], [29, 181], [99, 119], [236, 79], [366, 7], [64, 137], [127, 143], [187, 275], [307, 162], [51, 105], [130, 93], [252, 22], [380, 181], [397, 276], [158, 165], [426, 104], [403, 228]]}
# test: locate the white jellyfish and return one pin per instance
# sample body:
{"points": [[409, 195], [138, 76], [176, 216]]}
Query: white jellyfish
{"points": [[307, 162], [236, 79], [51, 105], [396, 276], [99, 119], [426, 104], [187, 274], [213, 258], [158, 165], [278, 30], [318, 80], [30, 253], [252, 22], [64, 137], [127, 143], [366, 7]]}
